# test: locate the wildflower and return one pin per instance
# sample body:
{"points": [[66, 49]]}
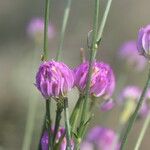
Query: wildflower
{"points": [[54, 79], [143, 42], [102, 79], [128, 52], [60, 134], [35, 29], [129, 98], [100, 138]]}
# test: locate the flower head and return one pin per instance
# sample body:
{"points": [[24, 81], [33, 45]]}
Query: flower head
{"points": [[35, 29], [102, 79], [129, 97], [54, 79], [100, 138], [129, 53], [143, 42]]}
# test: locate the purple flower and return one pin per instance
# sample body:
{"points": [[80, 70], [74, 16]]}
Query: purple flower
{"points": [[44, 141], [129, 53], [143, 42], [60, 133], [102, 80], [132, 94], [101, 139], [54, 79], [35, 29], [107, 105]]}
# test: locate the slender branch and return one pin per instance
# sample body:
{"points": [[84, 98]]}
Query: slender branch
{"points": [[103, 22], [92, 57], [67, 124], [46, 22], [134, 116], [63, 29], [45, 57], [57, 120], [143, 131]]}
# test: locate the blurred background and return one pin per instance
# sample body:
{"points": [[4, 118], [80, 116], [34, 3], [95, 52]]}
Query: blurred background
{"points": [[19, 60]]}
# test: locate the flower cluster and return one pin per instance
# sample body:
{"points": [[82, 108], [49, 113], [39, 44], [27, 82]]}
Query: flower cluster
{"points": [[55, 79], [129, 98], [143, 42], [129, 53], [35, 29], [102, 80], [100, 138]]}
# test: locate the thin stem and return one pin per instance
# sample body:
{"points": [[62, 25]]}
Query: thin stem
{"points": [[103, 22], [45, 57], [67, 124], [48, 121], [63, 29], [46, 22], [30, 123], [57, 120], [92, 57], [75, 113], [134, 116], [143, 131]]}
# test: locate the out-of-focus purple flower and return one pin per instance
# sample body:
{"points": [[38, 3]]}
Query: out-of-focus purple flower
{"points": [[102, 80], [128, 52], [44, 141], [54, 79], [133, 93], [60, 133], [143, 42], [35, 29], [107, 105], [101, 139]]}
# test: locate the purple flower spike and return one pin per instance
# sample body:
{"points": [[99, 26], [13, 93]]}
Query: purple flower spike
{"points": [[143, 42], [35, 29], [101, 139], [129, 53], [107, 105], [54, 79], [102, 80]]}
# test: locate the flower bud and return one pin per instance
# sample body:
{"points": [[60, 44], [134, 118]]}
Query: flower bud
{"points": [[54, 79], [102, 79], [143, 42]]}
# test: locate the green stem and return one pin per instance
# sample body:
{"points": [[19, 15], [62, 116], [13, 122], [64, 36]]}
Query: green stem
{"points": [[84, 113], [46, 22], [143, 131], [134, 116], [48, 121], [57, 120], [29, 123], [63, 29], [103, 22], [67, 124], [75, 113], [45, 57]]}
